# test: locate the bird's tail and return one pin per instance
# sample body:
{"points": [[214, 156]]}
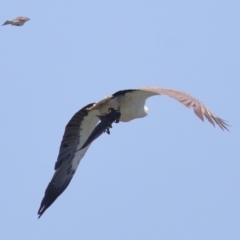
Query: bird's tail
{"points": [[7, 22]]}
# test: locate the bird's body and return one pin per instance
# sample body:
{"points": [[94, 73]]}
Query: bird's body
{"points": [[81, 130], [18, 21], [131, 104]]}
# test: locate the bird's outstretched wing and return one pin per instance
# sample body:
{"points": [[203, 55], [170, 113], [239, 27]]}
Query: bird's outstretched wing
{"points": [[76, 133], [186, 99], [189, 101]]}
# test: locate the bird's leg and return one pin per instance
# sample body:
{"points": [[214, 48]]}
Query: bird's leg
{"points": [[115, 118], [117, 114], [107, 130]]}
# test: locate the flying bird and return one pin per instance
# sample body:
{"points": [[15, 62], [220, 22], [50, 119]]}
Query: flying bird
{"points": [[83, 128], [18, 21]]}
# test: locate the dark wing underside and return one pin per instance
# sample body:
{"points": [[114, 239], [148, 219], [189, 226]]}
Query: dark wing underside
{"points": [[61, 179], [76, 132]]}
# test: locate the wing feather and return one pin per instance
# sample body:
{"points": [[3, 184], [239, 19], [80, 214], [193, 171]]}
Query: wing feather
{"points": [[76, 133], [190, 102]]}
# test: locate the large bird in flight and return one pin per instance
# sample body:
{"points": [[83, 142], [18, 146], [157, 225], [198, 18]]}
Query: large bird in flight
{"points": [[83, 128]]}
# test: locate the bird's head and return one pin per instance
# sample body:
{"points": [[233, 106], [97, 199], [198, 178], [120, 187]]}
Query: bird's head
{"points": [[144, 112]]}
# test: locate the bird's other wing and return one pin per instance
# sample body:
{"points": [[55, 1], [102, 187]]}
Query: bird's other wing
{"points": [[189, 101], [76, 133]]}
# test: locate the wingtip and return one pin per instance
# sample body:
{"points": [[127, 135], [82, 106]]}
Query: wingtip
{"points": [[225, 125], [6, 23], [41, 210]]}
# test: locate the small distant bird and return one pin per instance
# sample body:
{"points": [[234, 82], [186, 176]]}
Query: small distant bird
{"points": [[18, 21], [83, 128]]}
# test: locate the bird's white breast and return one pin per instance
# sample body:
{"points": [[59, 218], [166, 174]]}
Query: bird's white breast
{"points": [[131, 105]]}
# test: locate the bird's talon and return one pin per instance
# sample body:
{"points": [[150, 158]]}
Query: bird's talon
{"points": [[107, 131]]}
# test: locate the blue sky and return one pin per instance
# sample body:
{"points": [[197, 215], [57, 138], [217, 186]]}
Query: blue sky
{"points": [[167, 176]]}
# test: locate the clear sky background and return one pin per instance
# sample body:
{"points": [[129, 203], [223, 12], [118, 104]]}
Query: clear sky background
{"points": [[167, 176]]}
